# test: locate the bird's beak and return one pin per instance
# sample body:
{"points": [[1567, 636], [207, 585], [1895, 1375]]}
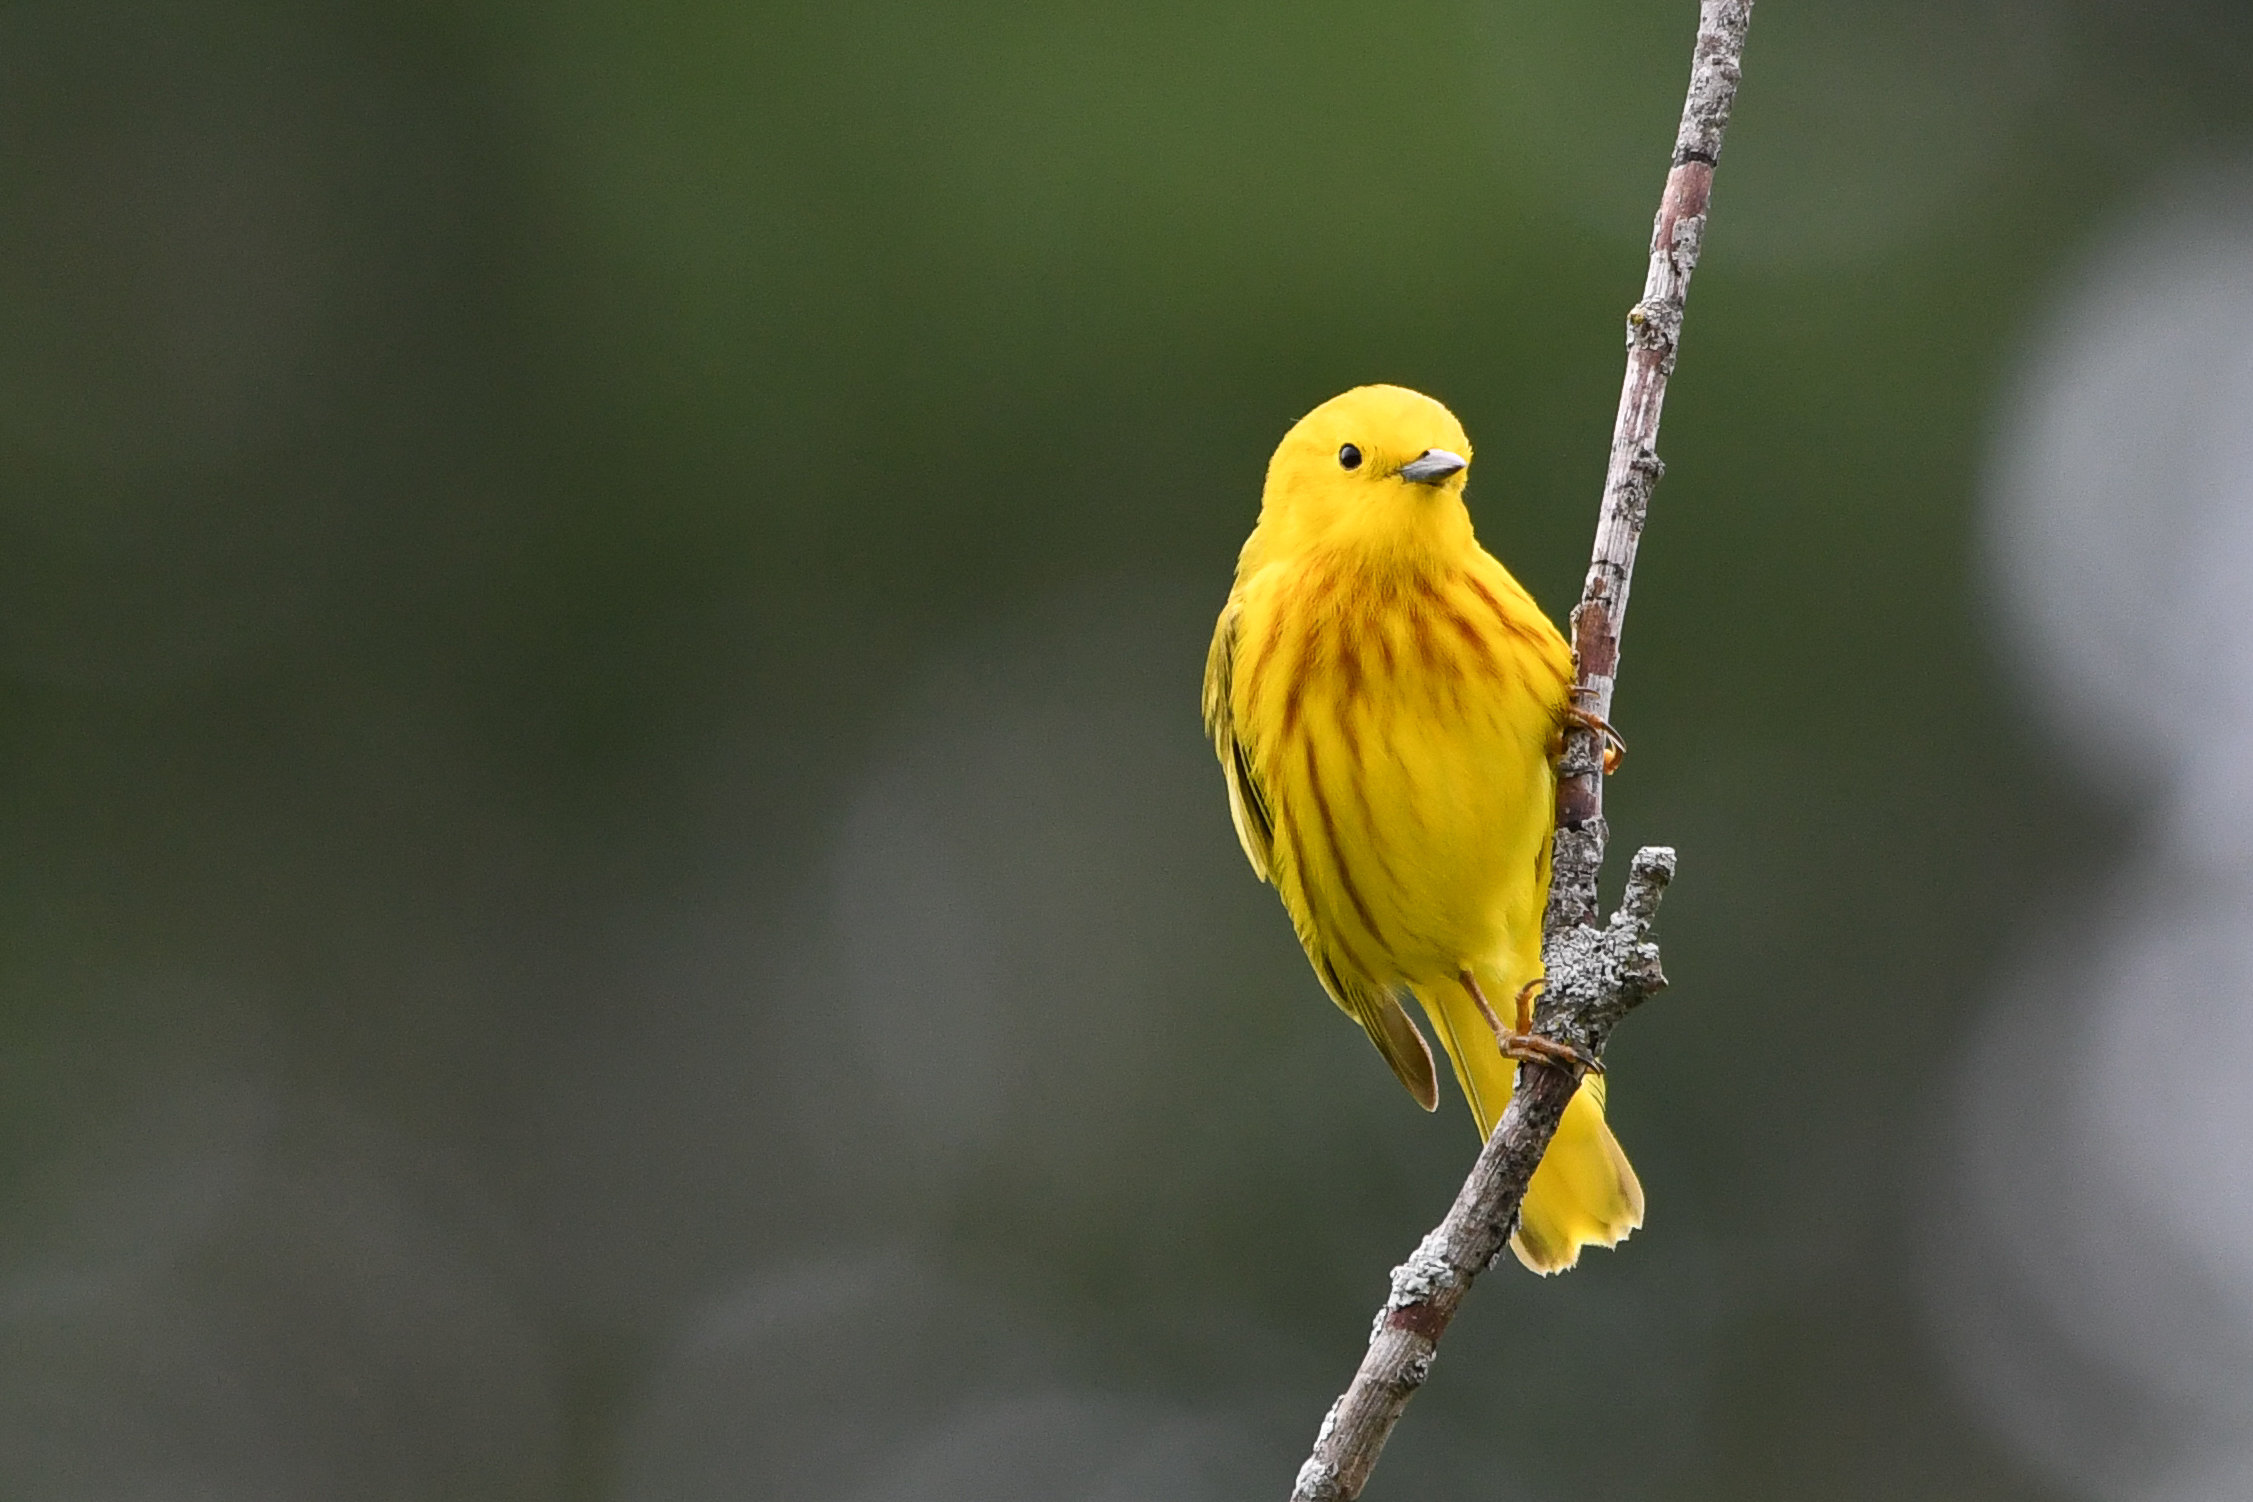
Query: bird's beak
{"points": [[1433, 466]]}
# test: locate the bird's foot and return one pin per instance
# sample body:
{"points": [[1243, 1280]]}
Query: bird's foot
{"points": [[1521, 1042], [1615, 746], [1532, 1048]]}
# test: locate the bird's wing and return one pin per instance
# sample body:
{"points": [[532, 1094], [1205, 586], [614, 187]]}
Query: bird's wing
{"points": [[1247, 803]]}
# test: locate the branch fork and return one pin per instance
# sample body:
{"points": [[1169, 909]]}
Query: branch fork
{"points": [[1598, 975]]}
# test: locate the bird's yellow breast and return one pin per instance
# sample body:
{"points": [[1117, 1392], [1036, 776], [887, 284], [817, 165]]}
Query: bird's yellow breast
{"points": [[1399, 720]]}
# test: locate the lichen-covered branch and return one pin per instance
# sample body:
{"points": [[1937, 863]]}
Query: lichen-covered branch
{"points": [[1597, 974], [1602, 975]]}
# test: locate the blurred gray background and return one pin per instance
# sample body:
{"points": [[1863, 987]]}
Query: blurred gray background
{"points": [[612, 891]]}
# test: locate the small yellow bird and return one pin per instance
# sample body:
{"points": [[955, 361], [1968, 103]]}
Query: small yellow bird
{"points": [[1387, 703]]}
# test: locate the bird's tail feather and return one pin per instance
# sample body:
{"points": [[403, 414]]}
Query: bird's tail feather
{"points": [[1585, 1192]]}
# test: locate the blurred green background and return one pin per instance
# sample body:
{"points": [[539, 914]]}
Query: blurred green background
{"points": [[612, 888]]}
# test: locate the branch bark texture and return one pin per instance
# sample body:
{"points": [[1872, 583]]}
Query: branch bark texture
{"points": [[1597, 974]]}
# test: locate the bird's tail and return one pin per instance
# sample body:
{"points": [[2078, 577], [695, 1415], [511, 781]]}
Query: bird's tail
{"points": [[1585, 1192]]}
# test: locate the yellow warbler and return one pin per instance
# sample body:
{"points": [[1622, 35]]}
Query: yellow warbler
{"points": [[1387, 703]]}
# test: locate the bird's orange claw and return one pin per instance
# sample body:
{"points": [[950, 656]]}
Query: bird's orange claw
{"points": [[1615, 746], [1528, 994]]}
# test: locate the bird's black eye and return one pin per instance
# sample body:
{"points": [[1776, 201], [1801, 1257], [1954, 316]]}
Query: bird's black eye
{"points": [[1349, 457]]}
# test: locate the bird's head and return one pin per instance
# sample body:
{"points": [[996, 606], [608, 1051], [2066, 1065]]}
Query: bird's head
{"points": [[1378, 470]]}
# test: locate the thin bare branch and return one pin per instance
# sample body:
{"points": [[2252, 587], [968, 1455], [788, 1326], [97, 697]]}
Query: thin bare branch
{"points": [[1596, 974], [1654, 331]]}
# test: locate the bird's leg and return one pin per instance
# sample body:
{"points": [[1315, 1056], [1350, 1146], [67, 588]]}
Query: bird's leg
{"points": [[1522, 1042], [1615, 747], [1478, 999]]}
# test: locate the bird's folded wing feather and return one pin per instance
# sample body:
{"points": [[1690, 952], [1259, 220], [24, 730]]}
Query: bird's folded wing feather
{"points": [[1377, 1009], [1379, 1013]]}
